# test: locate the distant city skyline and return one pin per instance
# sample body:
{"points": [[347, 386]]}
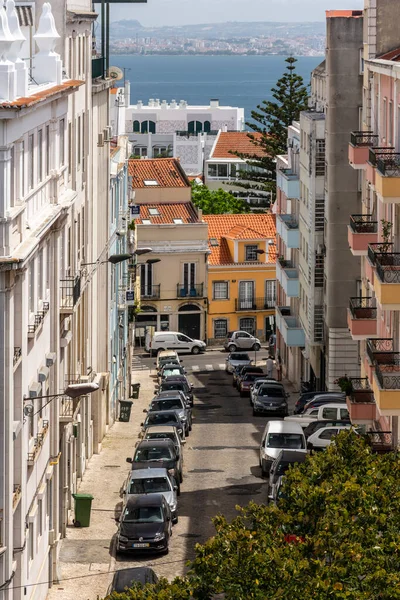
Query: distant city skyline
{"points": [[158, 13]]}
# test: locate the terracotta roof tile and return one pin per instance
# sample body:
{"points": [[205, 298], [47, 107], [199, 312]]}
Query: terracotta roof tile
{"points": [[167, 172], [167, 213], [248, 226], [42, 95], [236, 141]]}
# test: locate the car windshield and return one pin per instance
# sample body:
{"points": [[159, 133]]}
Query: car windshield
{"points": [[173, 404], [168, 361], [290, 441], [151, 485], [161, 418], [239, 356], [171, 372], [144, 514], [160, 436], [153, 453], [251, 376], [173, 385], [271, 392]]}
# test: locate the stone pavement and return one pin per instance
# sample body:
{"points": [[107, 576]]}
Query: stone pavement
{"points": [[86, 561]]}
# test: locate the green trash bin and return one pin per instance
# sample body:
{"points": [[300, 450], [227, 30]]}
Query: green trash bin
{"points": [[135, 389], [83, 505], [125, 407]]}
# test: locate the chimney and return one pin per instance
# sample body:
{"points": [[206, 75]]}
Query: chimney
{"points": [[139, 104], [214, 103], [47, 63], [173, 104], [14, 55], [7, 68]]}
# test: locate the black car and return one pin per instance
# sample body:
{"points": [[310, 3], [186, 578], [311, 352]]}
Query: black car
{"points": [[167, 417], [279, 467], [158, 454], [145, 525], [124, 578], [304, 399], [177, 383], [171, 370], [315, 425], [177, 404], [271, 400], [321, 400]]}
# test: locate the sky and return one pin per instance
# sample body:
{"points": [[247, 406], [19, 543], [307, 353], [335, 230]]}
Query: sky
{"points": [[184, 12]]}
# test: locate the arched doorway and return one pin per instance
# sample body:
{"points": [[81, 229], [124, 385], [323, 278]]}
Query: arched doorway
{"points": [[189, 320]]}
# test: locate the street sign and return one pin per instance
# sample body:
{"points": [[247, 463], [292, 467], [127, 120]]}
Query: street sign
{"points": [[135, 211], [130, 297]]}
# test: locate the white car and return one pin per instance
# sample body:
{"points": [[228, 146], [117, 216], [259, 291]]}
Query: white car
{"points": [[277, 436], [241, 340], [322, 438]]}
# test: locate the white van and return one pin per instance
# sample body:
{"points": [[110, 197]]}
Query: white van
{"points": [[173, 340], [277, 436]]}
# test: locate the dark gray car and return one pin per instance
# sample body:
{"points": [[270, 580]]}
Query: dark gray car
{"points": [[158, 453], [167, 417], [173, 403], [270, 400]]}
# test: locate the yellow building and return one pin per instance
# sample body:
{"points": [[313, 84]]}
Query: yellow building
{"points": [[241, 275]]}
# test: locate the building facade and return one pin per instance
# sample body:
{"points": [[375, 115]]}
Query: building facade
{"points": [[241, 275]]}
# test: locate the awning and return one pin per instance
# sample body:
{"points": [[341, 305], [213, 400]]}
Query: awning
{"points": [[25, 15]]}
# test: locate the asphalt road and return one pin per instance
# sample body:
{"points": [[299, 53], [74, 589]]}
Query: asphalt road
{"points": [[221, 468]]}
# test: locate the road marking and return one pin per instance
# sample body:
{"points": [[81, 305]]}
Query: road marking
{"points": [[195, 368], [209, 368], [222, 366]]}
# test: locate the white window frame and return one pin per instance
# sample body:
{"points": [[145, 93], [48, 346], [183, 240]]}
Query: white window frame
{"points": [[251, 248], [215, 321], [215, 284]]}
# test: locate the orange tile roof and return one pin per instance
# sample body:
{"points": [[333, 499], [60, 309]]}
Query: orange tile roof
{"points": [[236, 141], [224, 227], [42, 95], [167, 172], [167, 213], [113, 90], [343, 13]]}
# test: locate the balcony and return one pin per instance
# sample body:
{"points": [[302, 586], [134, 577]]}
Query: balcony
{"points": [[381, 442], [288, 182], [361, 402], [385, 371], [189, 291], [17, 356], [70, 288], [150, 292], [387, 280], [387, 177], [360, 143], [288, 277], [362, 231], [362, 318], [375, 250], [17, 493], [373, 155], [289, 327], [252, 304], [288, 229]]}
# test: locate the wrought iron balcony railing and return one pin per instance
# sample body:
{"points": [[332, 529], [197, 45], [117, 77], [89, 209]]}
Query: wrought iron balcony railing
{"points": [[254, 304], [363, 138], [363, 224], [388, 164], [376, 152], [363, 308], [380, 441], [388, 267], [189, 291], [150, 291], [17, 354], [70, 290], [361, 391], [377, 249], [379, 348], [388, 371]]}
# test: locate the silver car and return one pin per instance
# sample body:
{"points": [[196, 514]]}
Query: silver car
{"points": [[153, 481], [241, 340], [258, 383], [176, 403], [235, 359]]}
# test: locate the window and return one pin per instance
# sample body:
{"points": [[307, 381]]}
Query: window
{"points": [[40, 276], [390, 131], [247, 325], [146, 280], [218, 170], [62, 141], [195, 127], [40, 154], [32, 288], [136, 127], [31, 170], [31, 541], [150, 182], [329, 413], [320, 158], [328, 434], [21, 193], [207, 126], [78, 142], [220, 328], [148, 127], [220, 290], [47, 166], [69, 149], [213, 242], [251, 253], [40, 517], [384, 120], [189, 276], [178, 221], [146, 222], [270, 293], [154, 212]]}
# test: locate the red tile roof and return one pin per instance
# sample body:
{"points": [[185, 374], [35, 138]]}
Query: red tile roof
{"points": [[41, 95], [236, 141], [393, 55], [167, 172], [343, 13], [249, 226], [167, 213]]}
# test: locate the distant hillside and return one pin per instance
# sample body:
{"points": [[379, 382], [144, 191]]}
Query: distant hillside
{"points": [[130, 28]]}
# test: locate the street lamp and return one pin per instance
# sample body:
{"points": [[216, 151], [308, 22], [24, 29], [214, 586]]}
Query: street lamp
{"points": [[74, 390], [113, 259]]}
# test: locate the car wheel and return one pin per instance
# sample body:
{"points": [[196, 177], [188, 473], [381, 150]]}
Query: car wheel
{"points": [[264, 473], [166, 550], [232, 348], [195, 350], [256, 347], [175, 520]]}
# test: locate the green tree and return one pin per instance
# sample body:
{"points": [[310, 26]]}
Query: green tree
{"points": [[217, 202], [344, 506], [271, 120]]}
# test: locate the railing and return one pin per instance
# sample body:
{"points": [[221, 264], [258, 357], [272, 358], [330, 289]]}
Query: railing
{"points": [[389, 164], [97, 67], [289, 220], [17, 354], [363, 308], [152, 291], [289, 174], [17, 490], [377, 249], [286, 264], [70, 290], [182, 133], [363, 224], [387, 266], [254, 304], [380, 441], [36, 323], [376, 152], [361, 391], [189, 291], [379, 348], [363, 138], [66, 407], [388, 371]]}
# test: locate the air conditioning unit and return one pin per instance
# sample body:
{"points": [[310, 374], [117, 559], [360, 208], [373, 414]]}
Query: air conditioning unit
{"points": [[100, 140], [106, 134]]}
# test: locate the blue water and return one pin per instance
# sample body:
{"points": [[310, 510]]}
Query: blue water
{"points": [[242, 81]]}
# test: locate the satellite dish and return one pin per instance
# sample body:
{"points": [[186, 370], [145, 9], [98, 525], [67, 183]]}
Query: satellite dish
{"points": [[115, 73], [28, 410]]}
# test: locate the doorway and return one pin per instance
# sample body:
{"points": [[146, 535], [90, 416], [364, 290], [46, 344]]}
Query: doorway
{"points": [[189, 321]]}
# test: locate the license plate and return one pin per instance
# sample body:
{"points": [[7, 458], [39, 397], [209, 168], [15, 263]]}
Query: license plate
{"points": [[140, 545]]}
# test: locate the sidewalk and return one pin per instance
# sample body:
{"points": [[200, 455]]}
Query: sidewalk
{"points": [[85, 555]]}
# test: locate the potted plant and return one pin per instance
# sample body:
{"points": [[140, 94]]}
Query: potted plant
{"points": [[385, 233], [345, 384]]}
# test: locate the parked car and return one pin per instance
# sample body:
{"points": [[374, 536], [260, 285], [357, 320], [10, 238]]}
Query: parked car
{"points": [[277, 436], [145, 525], [246, 382], [164, 418], [259, 382], [235, 359], [153, 481], [315, 425], [173, 340], [157, 453], [307, 397], [322, 399], [124, 578], [173, 384], [279, 467], [176, 403], [329, 411], [166, 432], [173, 394], [241, 340], [270, 399], [322, 438], [166, 357], [241, 371], [171, 370]]}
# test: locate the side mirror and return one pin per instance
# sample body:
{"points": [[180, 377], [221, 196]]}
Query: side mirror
{"points": [[192, 385], [183, 442], [177, 455], [117, 519], [154, 363], [141, 424], [168, 518], [156, 390], [129, 460], [145, 410], [175, 488], [124, 491]]}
